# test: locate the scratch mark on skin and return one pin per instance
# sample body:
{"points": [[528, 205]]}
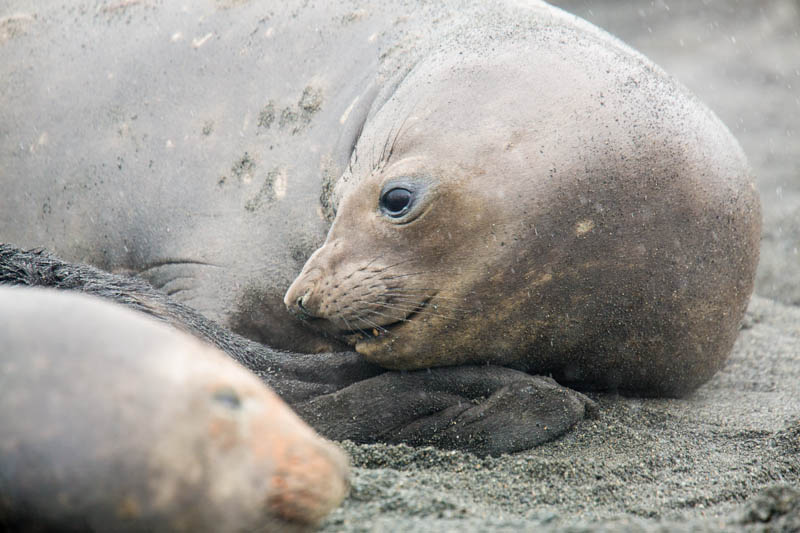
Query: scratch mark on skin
{"points": [[197, 42], [347, 111]]}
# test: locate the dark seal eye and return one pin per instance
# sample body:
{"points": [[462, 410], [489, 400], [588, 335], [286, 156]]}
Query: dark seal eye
{"points": [[396, 202]]}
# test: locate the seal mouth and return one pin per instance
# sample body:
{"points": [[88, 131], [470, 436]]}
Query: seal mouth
{"points": [[382, 331]]}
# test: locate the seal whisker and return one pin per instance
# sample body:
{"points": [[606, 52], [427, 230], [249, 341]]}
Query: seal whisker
{"points": [[372, 274], [373, 162], [383, 160], [374, 325], [414, 299], [434, 271], [396, 136], [397, 276], [437, 305], [372, 311], [369, 264], [384, 269], [342, 315], [401, 291], [415, 309]]}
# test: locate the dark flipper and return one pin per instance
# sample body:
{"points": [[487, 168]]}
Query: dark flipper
{"points": [[483, 409], [487, 410]]}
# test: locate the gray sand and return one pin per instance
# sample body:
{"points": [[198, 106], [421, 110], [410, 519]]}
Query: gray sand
{"points": [[727, 457]]}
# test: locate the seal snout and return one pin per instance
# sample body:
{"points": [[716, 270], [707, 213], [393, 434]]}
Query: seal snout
{"points": [[300, 298], [297, 302]]}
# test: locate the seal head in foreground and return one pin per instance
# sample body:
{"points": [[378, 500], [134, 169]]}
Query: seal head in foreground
{"points": [[576, 213], [114, 422]]}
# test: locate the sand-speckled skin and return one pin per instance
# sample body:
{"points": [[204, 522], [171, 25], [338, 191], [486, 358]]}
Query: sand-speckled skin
{"points": [[587, 216], [114, 422]]}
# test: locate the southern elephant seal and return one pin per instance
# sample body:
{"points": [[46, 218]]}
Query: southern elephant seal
{"points": [[114, 422]]}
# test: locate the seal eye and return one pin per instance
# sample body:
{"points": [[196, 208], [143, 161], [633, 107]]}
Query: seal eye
{"points": [[396, 202]]}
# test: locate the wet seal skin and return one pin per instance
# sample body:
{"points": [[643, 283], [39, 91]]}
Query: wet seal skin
{"points": [[115, 422]]}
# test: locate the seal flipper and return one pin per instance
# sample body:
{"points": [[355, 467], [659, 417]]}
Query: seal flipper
{"points": [[521, 415], [486, 410]]}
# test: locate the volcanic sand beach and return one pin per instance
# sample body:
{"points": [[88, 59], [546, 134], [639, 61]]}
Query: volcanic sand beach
{"points": [[725, 457]]}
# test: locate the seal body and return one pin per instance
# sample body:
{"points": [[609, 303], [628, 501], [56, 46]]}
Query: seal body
{"points": [[577, 213], [569, 209], [112, 421]]}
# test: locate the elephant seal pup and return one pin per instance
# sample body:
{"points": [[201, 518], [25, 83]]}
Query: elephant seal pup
{"points": [[114, 422], [551, 202]]}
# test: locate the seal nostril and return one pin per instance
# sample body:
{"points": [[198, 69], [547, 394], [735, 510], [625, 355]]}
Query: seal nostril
{"points": [[305, 313]]}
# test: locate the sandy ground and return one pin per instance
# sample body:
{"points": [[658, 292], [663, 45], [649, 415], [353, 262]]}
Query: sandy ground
{"points": [[728, 456]]}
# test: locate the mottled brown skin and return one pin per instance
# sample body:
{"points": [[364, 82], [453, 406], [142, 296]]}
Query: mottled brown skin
{"points": [[576, 214], [114, 422]]}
